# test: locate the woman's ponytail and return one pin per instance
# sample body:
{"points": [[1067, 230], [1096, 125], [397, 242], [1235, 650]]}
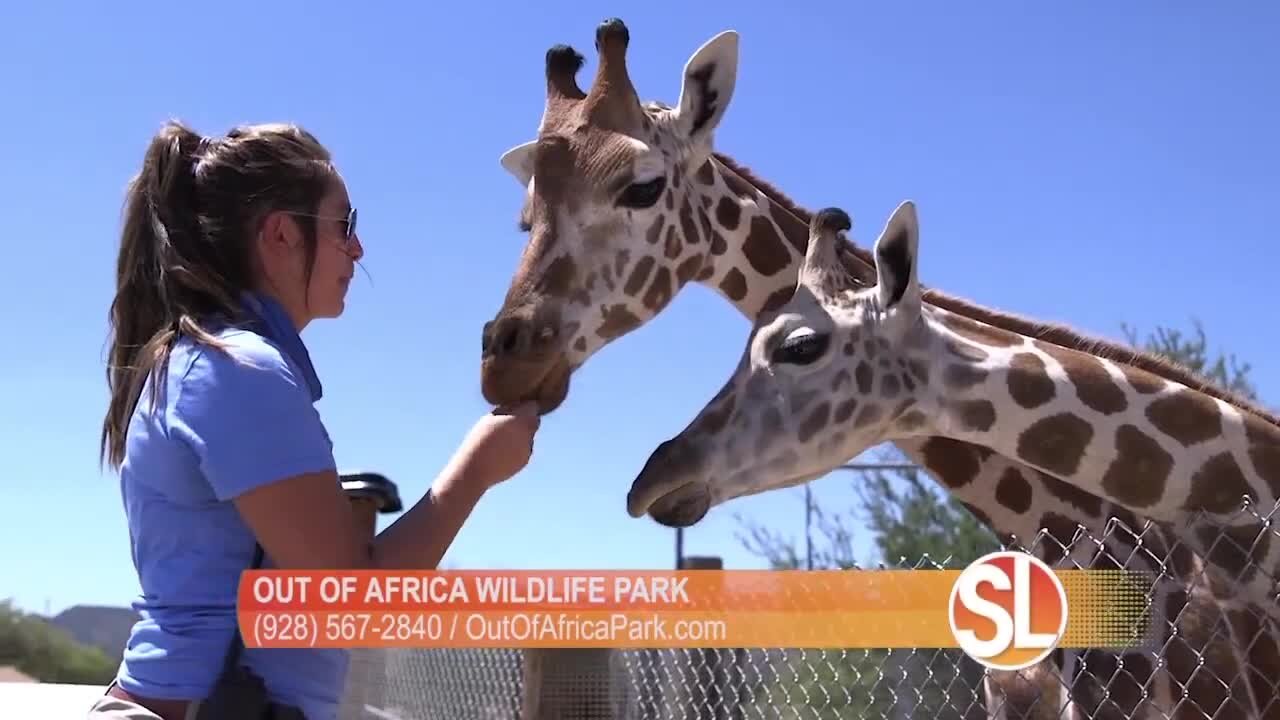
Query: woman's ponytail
{"points": [[159, 205]]}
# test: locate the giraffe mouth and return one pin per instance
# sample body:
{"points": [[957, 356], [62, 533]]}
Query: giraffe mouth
{"points": [[679, 508], [545, 382], [670, 488]]}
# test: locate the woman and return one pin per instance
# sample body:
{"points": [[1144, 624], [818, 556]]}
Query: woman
{"points": [[231, 246]]}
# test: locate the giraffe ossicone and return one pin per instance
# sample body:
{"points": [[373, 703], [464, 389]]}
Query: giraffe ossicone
{"points": [[841, 368]]}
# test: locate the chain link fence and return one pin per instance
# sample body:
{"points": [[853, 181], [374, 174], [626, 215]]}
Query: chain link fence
{"points": [[1215, 657]]}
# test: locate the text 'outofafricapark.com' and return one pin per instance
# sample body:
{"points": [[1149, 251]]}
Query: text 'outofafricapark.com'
{"points": [[609, 609]]}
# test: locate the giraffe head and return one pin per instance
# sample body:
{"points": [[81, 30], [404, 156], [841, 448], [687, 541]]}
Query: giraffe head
{"points": [[833, 373], [610, 212]]}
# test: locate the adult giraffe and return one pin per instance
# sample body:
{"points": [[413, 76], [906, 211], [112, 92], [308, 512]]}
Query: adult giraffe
{"points": [[843, 367], [626, 203]]}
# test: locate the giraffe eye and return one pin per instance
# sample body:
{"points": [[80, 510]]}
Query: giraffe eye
{"points": [[643, 195], [802, 348]]}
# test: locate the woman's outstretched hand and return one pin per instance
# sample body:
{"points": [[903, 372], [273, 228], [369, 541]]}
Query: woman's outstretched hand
{"points": [[499, 445]]}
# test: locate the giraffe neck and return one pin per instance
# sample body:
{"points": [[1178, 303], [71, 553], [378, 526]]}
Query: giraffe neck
{"points": [[757, 244], [1153, 446]]}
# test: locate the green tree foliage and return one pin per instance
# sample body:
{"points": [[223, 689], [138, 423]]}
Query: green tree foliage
{"points": [[1223, 369], [48, 654], [912, 522]]}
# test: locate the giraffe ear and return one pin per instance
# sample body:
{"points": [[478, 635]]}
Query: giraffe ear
{"points": [[519, 162], [895, 252], [709, 79]]}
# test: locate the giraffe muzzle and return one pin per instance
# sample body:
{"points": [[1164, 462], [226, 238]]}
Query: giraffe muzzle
{"points": [[522, 358], [669, 488]]}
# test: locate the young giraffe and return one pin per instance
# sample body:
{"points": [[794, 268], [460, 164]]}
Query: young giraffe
{"points": [[630, 204], [843, 367]]}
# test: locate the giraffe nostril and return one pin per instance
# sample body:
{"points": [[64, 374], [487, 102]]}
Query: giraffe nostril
{"points": [[509, 338]]}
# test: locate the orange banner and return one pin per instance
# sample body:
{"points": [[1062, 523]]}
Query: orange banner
{"points": [[693, 608]]}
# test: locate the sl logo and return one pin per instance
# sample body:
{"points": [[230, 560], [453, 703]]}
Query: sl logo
{"points": [[1008, 610]]}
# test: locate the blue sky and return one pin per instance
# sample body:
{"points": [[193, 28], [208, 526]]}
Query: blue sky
{"points": [[1093, 164]]}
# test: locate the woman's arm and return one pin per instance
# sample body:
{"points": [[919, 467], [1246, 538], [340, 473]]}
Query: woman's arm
{"points": [[306, 521], [249, 421]]}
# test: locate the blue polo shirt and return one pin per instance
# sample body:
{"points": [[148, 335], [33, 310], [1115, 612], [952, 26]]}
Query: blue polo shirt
{"points": [[227, 422]]}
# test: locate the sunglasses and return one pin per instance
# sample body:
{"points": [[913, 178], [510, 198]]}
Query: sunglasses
{"points": [[348, 222]]}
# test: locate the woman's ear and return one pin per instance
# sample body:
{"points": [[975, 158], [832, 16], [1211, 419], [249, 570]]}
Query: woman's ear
{"points": [[278, 232]]}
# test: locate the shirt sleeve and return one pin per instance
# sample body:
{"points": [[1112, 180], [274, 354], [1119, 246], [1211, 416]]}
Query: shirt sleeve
{"points": [[248, 418]]}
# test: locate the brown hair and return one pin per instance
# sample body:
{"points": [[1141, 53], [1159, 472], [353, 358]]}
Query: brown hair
{"points": [[185, 249]]}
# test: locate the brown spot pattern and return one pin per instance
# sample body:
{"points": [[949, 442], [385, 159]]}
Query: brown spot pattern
{"points": [[868, 415], [980, 333], [558, 278], [734, 285], [1140, 472], [1141, 380], [889, 386], [962, 377], [654, 233], [845, 410], [870, 349], [689, 267], [1029, 383], [979, 415], [671, 248], [718, 245], [954, 462], [817, 420], [659, 293], [1237, 550], [841, 379], [864, 377], [728, 213], [777, 299], [919, 370], [764, 249], [1055, 443], [1013, 491], [1186, 416], [688, 224], [639, 274], [706, 174], [966, 350], [1218, 486], [1086, 502], [580, 344], [1062, 529], [617, 321], [1094, 385]]}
